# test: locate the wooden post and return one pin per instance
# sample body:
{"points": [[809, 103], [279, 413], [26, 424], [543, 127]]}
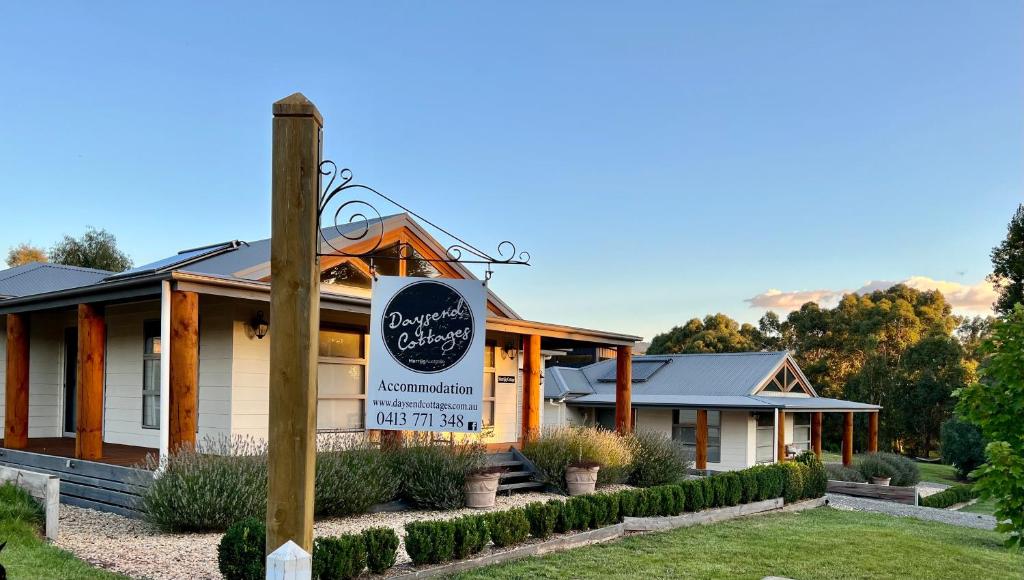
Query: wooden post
{"points": [[295, 320], [780, 437], [184, 371], [92, 342], [531, 387], [702, 439], [848, 438], [289, 562], [816, 433], [624, 389], [16, 396], [873, 432]]}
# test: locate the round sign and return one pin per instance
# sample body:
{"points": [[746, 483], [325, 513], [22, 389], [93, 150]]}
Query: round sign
{"points": [[427, 327]]}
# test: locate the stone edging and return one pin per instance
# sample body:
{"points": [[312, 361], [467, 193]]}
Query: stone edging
{"points": [[614, 532]]}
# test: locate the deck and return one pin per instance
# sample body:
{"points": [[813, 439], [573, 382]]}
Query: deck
{"points": [[112, 484], [113, 454]]}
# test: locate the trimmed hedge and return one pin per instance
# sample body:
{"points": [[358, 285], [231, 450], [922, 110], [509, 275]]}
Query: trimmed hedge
{"points": [[381, 548], [242, 552], [471, 535], [430, 542], [950, 496], [544, 515], [339, 558], [508, 528]]}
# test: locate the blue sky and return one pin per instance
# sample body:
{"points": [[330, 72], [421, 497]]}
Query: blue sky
{"points": [[660, 161]]}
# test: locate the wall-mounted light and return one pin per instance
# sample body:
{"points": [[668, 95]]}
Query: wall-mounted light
{"points": [[259, 325], [509, 350]]}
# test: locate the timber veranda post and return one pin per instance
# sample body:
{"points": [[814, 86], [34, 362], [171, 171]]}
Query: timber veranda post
{"points": [[295, 320]]}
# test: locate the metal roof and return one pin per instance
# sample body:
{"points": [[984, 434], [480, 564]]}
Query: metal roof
{"points": [[698, 380], [42, 277]]}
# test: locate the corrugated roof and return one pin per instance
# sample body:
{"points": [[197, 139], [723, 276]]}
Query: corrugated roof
{"points": [[41, 277], [728, 402]]}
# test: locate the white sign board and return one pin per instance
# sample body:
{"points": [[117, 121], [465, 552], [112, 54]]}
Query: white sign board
{"points": [[426, 354]]}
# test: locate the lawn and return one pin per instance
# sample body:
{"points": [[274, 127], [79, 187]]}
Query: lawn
{"points": [[822, 543], [938, 473], [26, 554], [982, 506]]}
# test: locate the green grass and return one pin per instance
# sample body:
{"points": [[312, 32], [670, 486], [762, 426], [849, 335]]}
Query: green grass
{"points": [[982, 506], [822, 543], [29, 556], [938, 473]]}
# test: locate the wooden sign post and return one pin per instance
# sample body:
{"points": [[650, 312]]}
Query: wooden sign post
{"points": [[294, 321]]}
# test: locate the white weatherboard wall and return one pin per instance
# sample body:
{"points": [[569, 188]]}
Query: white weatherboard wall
{"points": [[3, 366], [250, 375], [654, 420], [215, 364], [507, 397], [44, 391], [735, 431], [122, 411]]}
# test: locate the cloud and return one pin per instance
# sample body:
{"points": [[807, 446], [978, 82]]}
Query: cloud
{"points": [[975, 298]]}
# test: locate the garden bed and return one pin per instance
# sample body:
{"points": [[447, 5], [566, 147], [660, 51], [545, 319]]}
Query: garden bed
{"points": [[907, 495]]}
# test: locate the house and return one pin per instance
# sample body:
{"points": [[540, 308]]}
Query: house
{"points": [[734, 410], [109, 368]]}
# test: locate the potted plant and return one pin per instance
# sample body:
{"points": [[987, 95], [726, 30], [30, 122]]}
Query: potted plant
{"points": [[876, 471], [581, 477], [481, 487]]}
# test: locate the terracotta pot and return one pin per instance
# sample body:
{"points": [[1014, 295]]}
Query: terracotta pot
{"points": [[581, 480], [481, 489], [881, 480]]}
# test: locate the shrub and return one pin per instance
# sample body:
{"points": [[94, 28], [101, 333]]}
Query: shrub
{"points": [[433, 476], [430, 542], [963, 447], [947, 497], [839, 472], [748, 483], [542, 517], [242, 552], [907, 472], [557, 447], [471, 534], [717, 494], [657, 459], [351, 476], [871, 466], [770, 481], [566, 520], [381, 548], [598, 510], [222, 481], [581, 511], [339, 558], [793, 481], [815, 479], [693, 491], [627, 504], [677, 500], [733, 488], [509, 527]]}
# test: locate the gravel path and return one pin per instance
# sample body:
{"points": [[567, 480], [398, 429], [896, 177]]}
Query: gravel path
{"points": [[136, 549], [926, 488], [963, 519]]}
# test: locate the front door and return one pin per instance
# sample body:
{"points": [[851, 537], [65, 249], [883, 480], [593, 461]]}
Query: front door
{"points": [[70, 381]]}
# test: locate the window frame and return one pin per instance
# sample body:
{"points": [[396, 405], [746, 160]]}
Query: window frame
{"points": [[714, 432], [151, 357], [771, 430], [490, 346], [362, 361], [798, 423]]}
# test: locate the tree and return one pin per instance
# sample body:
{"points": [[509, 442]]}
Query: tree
{"points": [[963, 447], [995, 404], [95, 249], [1008, 265], [25, 254], [716, 333], [971, 333]]}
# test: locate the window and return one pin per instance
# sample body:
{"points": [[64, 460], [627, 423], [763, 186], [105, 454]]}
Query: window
{"points": [[684, 429], [802, 431], [765, 440], [490, 383], [151, 374], [418, 267], [345, 274], [341, 380]]}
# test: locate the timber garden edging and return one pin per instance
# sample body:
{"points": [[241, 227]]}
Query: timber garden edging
{"points": [[613, 532], [906, 495]]}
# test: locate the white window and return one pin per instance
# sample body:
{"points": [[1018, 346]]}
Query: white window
{"points": [[341, 380], [765, 440], [802, 431], [684, 429], [151, 374], [490, 383]]}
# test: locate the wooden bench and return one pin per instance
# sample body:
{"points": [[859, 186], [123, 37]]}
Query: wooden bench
{"points": [[45, 488]]}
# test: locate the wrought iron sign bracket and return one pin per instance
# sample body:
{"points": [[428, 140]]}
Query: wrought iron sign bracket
{"points": [[340, 210]]}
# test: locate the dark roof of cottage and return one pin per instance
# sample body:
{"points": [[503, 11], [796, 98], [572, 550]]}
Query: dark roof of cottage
{"points": [[725, 380], [41, 277]]}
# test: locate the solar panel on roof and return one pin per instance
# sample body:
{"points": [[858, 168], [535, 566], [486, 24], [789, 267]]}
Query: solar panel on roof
{"points": [[178, 259], [642, 370]]}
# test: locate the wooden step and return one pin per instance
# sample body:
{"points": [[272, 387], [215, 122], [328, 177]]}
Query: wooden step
{"points": [[509, 463], [514, 474], [505, 456], [520, 485]]}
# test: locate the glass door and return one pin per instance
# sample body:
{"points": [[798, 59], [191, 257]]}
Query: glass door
{"points": [[70, 381]]}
